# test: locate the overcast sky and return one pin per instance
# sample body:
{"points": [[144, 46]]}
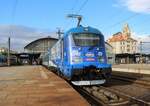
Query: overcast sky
{"points": [[21, 36], [27, 20]]}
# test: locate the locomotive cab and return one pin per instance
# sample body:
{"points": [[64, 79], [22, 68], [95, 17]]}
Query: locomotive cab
{"points": [[86, 48], [87, 57]]}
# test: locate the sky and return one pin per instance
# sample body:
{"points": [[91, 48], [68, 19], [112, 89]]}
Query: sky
{"points": [[27, 20]]}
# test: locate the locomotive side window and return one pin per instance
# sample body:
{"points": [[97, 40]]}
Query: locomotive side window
{"points": [[86, 39]]}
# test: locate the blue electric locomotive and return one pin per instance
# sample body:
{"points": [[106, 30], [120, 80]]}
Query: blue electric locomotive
{"points": [[80, 56]]}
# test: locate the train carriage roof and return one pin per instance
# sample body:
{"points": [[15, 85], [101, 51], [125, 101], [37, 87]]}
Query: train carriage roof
{"points": [[82, 29]]}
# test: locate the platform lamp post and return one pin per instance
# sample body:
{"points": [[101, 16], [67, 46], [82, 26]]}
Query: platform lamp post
{"points": [[8, 52], [141, 52], [140, 59]]}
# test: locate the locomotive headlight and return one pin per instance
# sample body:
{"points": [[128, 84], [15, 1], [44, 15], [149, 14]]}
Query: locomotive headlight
{"points": [[100, 57], [97, 49], [100, 53], [75, 53], [79, 48], [76, 59], [76, 56]]}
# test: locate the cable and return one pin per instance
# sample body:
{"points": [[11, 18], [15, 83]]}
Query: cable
{"points": [[13, 16], [72, 11], [128, 18], [141, 23], [74, 5], [82, 6], [14, 10]]}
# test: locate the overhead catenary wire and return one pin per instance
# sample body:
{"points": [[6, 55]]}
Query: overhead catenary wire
{"points": [[14, 10], [140, 22], [128, 18], [124, 20], [82, 6], [11, 30], [13, 13], [74, 5], [72, 12], [78, 11]]}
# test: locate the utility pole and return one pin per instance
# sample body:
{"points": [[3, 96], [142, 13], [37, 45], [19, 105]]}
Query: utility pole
{"points": [[59, 32], [8, 53]]}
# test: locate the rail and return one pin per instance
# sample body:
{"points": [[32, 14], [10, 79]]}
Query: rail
{"points": [[103, 96]]}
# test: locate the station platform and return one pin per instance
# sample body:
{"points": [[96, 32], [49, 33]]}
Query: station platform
{"points": [[134, 76], [132, 68], [36, 86]]}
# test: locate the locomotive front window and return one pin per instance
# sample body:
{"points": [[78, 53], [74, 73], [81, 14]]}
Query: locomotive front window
{"points": [[86, 39]]}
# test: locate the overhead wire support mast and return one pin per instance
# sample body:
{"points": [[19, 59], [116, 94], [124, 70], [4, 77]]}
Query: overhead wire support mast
{"points": [[8, 58], [59, 32], [11, 31], [79, 17], [141, 49]]}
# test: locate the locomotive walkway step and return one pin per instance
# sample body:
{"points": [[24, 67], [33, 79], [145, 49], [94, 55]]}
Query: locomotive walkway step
{"points": [[35, 86]]}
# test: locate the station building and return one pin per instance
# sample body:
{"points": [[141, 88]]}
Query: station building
{"points": [[124, 46], [122, 42], [109, 53], [4, 50], [36, 49], [40, 45]]}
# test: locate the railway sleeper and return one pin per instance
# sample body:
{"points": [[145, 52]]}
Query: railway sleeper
{"points": [[104, 95]]}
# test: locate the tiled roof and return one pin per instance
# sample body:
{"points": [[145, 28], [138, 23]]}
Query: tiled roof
{"points": [[118, 37]]}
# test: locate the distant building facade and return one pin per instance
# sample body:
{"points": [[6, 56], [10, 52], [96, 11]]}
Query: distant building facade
{"points": [[122, 42], [4, 50], [109, 53]]}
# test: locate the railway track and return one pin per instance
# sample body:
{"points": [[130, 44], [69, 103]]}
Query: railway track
{"points": [[99, 96], [129, 79], [104, 96], [121, 91]]}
